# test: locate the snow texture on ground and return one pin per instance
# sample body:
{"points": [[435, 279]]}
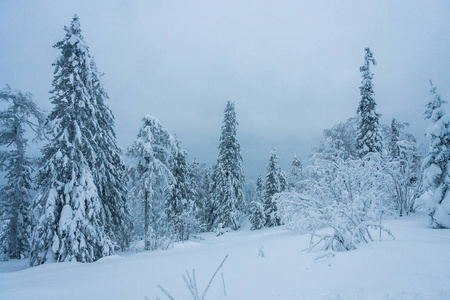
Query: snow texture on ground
{"points": [[262, 264]]}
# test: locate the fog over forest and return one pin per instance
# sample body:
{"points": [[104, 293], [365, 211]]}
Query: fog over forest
{"points": [[291, 67]]}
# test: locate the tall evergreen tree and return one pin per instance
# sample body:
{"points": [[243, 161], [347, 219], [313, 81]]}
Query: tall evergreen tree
{"points": [[71, 215], [257, 214], [179, 195], [394, 138], [260, 188], [152, 180], [180, 205], [369, 137], [276, 182], [200, 181], [228, 175], [436, 165], [296, 174], [15, 197]]}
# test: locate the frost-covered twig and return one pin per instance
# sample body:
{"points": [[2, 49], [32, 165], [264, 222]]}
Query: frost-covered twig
{"points": [[223, 282], [165, 292], [387, 230], [326, 255], [214, 275], [191, 283]]}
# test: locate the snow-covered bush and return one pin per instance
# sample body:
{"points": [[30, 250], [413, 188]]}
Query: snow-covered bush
{"points": [[404, 174], [349, 196], [185, 225], [220, 229], [257, 217]]}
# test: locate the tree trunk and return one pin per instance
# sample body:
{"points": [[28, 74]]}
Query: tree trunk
{"points": [[146, 222]]}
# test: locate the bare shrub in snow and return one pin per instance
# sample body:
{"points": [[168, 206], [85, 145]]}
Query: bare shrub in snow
{"points": [[348, 196]]}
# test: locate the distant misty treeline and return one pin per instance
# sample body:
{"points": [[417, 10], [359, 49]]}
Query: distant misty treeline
{"points": [[81, 202]]}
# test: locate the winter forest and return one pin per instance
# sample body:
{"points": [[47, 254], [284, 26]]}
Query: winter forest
{"points": [[86, 199]]}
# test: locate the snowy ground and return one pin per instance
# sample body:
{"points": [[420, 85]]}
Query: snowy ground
{"points": [[414, 266]]}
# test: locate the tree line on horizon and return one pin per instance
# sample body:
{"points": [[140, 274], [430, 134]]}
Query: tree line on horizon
{"points": [[84, 203]]}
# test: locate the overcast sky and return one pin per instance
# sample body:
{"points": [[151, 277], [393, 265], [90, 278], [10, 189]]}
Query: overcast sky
{"points": [[292, 67]]}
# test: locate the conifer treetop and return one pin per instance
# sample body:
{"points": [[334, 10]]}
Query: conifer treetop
{"points": [[434, 109], [369, 136]]}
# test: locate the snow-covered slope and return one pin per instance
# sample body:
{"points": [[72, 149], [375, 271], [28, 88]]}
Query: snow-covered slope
{"points": [[414, 266]]}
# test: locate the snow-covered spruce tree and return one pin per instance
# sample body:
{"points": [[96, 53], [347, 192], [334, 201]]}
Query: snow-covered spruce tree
{"points": [[369, 137], [152, 180], [70, 214], [200, 180], [436, 165], [296, 175], [394, 137], [180, 206], [227, 194], [276, 182], [257, 214], [194, 176], [260, 188], [108, 168], [206, 210], [249, 196], [15, 197]]}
